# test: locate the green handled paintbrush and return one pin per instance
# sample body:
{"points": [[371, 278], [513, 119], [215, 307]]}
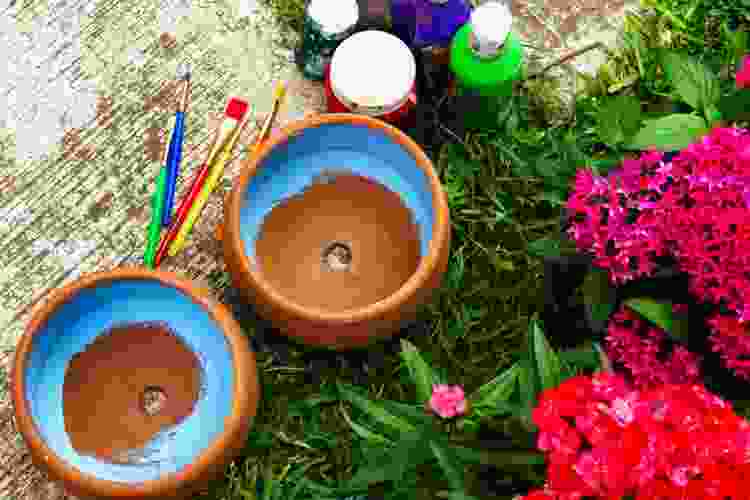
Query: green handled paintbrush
{"points": [[157, 207]]}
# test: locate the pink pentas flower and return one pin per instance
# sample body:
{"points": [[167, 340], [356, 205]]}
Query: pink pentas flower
{"points": [[448, 400], [635, 348], [742, 79], [612, 218]]}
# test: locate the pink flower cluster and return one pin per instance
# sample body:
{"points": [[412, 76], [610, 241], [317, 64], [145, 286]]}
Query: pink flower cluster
{"points": [[695, 208], [613, 219], [604, 440], [447, 401], [636, 346]]}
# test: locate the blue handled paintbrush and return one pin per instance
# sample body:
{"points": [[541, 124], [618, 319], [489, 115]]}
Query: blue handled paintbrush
{"points": [[175, 145]]}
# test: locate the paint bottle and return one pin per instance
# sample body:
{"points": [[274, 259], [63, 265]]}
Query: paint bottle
{"points": [[429, 25], [374, 15], [326, 25], [373, 73], [486, 57]]}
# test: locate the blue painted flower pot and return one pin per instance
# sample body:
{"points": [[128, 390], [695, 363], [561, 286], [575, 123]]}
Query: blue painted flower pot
{"points": [[338, 230], [77, 388]]}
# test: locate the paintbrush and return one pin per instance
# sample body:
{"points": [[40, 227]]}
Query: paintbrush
{"points": [[235, 111], [200, 202], [278, 100], [157, 208], [175, 144]]}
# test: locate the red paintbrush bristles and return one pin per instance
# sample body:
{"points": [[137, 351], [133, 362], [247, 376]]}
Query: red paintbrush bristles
{"points": [[236, 109]]}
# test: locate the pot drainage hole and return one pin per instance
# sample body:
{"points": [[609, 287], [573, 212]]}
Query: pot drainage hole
{"points": [[337, 256], [153, 400]]}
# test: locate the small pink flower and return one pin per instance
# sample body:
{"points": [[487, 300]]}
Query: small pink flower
{"points": [[743, 74], [448, 400]]}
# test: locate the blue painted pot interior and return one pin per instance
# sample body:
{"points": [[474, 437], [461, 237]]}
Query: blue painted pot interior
{"points": [[294, 165], [92, 312]]}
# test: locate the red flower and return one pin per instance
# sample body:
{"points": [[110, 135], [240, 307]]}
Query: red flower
{"points": [[673, 442], [730, 339], [742, 79]]}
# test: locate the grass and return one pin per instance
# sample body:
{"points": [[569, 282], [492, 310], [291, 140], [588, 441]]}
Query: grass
{"points": [[505, 188]]}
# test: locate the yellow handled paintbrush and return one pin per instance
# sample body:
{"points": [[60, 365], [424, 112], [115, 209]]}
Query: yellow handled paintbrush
{"points": [[278, 99], [214, 176]]}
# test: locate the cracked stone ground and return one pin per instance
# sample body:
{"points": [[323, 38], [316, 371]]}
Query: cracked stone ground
{"points": [[85, 105]]}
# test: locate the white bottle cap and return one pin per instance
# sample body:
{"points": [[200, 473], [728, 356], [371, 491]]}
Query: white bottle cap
{"points": [[334, 17], [372, 72], [490, 24]]}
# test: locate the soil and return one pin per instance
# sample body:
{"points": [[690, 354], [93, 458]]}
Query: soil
{"points": [[344, 243], [131, 383]]}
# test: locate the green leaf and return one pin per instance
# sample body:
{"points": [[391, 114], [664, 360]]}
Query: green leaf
{"points": [[584, 359], [659, 313], [735, 106], [413, 413], [365, 433], [393, 463], [460, 495], [550, 247], [421, 373], [467, 454], [547, 363], [598, 294], [321, 440], [503, 207], [545, 247], [260, 439], [670, 133], [618, 119], [693, 81], [376, 411], [554, 198], [549, 168], [601, 166], [680, 329], [450, 465], [499, 389], [529, 387]]}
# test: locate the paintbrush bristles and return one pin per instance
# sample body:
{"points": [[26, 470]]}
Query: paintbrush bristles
{"points": [[183, 74], [183, 71]]}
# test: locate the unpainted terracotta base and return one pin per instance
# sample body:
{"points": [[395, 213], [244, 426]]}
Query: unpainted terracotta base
{"points": [[128, 385], [344, 243]]}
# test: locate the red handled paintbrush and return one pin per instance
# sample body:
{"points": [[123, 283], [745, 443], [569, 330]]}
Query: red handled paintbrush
{"points": [[233, 115]]}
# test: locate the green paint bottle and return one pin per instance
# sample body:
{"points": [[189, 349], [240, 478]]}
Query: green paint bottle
{"points": [[486, 57]]}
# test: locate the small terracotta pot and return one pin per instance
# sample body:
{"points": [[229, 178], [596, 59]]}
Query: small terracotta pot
{"points": [[337, 179], [207, 354]]}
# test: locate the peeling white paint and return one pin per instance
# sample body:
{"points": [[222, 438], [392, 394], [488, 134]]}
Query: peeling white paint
{"points": [[39, 94], [11, 216], [248, 8]]}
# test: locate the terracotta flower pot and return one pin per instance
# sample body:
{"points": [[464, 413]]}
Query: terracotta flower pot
{"points": [[133, 384], [338, 230]]}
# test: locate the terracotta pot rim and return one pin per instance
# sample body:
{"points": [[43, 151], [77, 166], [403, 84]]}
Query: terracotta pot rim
{"points": [[244, 397], [439, 240]]}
